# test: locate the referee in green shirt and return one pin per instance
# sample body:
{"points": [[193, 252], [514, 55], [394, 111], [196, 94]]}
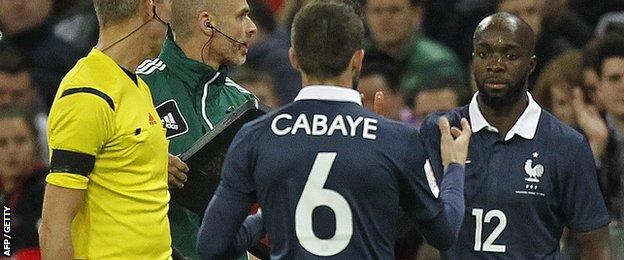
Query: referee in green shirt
{"points": [[191, 91]]}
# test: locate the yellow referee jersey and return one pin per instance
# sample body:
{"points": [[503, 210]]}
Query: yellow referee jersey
{"points": [[106, 138]]}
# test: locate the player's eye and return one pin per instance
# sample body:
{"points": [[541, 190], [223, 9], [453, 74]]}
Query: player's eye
{"points": [[512, 56], [21, 140], [614, 78], [394, 10]]}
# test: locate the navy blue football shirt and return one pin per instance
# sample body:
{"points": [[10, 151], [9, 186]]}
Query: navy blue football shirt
{"points": [[331, 177], [523, 188]]}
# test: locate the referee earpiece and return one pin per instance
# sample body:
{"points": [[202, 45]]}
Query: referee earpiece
{"points": [[209, 25]]}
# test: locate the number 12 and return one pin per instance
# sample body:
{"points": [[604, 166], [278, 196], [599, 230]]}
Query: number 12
{"points": [[488, 245]]}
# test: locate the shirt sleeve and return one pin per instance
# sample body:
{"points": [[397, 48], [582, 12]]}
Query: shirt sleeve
{"points": [[440, 218], [583, 204], [417, 199], [430, 134], [80, 123], [236, 176], [225, 232]]}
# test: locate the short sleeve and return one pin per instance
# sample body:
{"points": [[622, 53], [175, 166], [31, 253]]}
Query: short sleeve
{"points": [[583, 204], [80, 123], [236, 175]]}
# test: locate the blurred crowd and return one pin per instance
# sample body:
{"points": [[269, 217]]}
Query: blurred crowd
{"points": [[418, 54]]}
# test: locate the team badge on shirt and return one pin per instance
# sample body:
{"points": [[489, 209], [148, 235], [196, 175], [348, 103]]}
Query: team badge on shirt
{"points": [[534, 171], [172, 118]]}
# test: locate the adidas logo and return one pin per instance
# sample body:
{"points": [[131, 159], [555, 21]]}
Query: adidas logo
{"points": [[151, 119], [169, 122]]}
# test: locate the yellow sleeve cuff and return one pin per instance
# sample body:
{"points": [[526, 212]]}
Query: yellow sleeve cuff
{"points": [[68, 180]]}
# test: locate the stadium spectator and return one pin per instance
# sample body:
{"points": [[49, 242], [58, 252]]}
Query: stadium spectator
{"points": [[560, 90], [27, 26], [442, 95], [355, 190], [17, 90], [394, 27], [191, 89], [258, 82], [590, 76], [529, 174], [380, 73], [269, 52], [107, 192], [21, 182], [611, 89]]}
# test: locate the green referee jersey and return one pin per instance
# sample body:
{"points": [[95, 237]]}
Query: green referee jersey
{"points": [[191, 99]]}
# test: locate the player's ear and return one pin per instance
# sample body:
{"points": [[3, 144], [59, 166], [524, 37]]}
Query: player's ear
{"points": [[149, 7], [357, 59], [533, 62], [292, 56], [204, 21]]}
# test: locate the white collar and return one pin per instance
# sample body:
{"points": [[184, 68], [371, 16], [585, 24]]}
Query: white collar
{"points": [[332, 93], [526, 126]]}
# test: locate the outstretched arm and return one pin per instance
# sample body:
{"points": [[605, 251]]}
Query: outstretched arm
{"points": [[442, 231]]}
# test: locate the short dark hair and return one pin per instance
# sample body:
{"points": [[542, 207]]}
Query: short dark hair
{"points": [[27, 116], [325, 35], [12, 60], [379, 63], [438, 83], [261, 15], [611, 47]]}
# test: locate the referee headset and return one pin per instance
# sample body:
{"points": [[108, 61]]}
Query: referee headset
{"points": [[141, 26], [209, 25]]}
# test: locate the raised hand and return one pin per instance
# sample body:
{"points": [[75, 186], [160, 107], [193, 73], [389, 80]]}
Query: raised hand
{"points": [[454, 142], [378, 103], [589, 121]]}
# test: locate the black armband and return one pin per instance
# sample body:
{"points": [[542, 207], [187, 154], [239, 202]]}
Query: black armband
{"points": [[71, 162]]}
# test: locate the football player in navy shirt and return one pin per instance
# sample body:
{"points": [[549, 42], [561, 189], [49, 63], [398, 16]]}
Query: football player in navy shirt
{"points": [[527, 174], [330, 175]]}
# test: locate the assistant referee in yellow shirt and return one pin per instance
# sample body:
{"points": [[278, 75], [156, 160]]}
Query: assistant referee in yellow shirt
{"points": [[107, 195]]}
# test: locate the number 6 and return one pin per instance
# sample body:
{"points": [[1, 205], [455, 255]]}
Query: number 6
{"points": [[313, 196]]}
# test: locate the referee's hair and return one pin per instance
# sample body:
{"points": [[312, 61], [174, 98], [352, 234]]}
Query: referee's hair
{"points": [[325, 35], [113, 11]]}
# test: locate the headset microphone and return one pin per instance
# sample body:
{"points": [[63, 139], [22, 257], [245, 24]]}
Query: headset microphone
{"points": [[209, 25]]}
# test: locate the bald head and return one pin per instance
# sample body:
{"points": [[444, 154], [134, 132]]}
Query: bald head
{"points": [[185, 14], [503, 60], [508, 24]]}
